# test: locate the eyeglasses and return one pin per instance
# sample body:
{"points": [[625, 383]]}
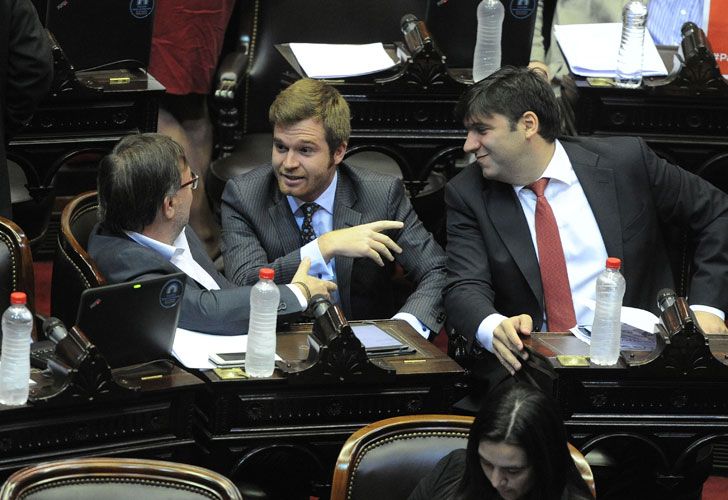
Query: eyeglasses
{"points": [[193, 182]]}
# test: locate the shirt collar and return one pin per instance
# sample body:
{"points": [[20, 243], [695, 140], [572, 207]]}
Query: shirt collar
{"points": [[559, 168], [178, 247], [325, 200]]}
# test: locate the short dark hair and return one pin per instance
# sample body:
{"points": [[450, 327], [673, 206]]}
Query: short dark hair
{"points": [[134, 179], [307, 98], [512, 91], [521, 415]]}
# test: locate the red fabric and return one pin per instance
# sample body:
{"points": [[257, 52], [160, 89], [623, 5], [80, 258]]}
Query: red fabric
{"points": [[556, 290], [186, 43]]}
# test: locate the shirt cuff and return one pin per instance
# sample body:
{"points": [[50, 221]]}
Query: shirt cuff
{"points": [[414, 323], [485, 330], [299, 295], [712, 310], [319, 268]]}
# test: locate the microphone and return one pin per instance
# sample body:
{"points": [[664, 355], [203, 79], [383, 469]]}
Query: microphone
{"points": [[54, 329], [319, 305], [666, 298], [416, 34]]}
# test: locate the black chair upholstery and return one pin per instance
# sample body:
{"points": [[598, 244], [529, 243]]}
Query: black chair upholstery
{"points": [[386, 459], [117, 478], [73, 269], [16, 264]]}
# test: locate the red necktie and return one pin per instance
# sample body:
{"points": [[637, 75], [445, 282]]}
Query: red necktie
{"points": [[556, 290]]}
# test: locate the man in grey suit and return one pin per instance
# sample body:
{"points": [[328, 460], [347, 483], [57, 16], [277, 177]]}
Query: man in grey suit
{"points": [[609, 197], [354, 224], [145, 192]]}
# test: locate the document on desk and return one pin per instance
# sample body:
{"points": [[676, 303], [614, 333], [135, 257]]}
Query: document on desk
{"points": [[323, 60], [378, 342], [638, 329], [193, 348], [592, 49]]}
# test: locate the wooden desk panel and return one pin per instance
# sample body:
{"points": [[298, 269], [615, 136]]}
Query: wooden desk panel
{"points": [[154, 422], [238, 416]]}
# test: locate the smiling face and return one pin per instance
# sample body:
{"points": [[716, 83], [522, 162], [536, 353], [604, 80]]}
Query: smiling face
{"points": [[506, 467], [502, 148], [302, 161]]}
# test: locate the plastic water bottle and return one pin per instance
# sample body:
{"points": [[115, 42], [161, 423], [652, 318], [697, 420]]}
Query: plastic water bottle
{"points": [[629, 60], [17, 325], [264, 299], [607, 327], [487, 54]]}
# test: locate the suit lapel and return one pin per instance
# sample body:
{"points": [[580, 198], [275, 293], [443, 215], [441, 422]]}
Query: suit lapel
{"points": [[600, 190], [511, 225], [284, 223], [345, 216]]}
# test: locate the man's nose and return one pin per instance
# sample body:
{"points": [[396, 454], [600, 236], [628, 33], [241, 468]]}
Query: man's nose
{"points": [[290, 160], [471, 144]]}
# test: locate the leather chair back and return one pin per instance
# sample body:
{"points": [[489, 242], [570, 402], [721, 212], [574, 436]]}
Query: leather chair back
{"points": [[117, 478], [73, 269], [16, 264], [385, 460]]}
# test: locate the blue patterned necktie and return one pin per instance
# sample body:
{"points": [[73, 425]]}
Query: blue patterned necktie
{"points": [[307, 232]]}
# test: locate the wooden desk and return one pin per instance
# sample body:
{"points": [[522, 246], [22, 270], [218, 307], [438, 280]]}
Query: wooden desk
{"points": [[154, 422], [240, 417], [668, 417]]}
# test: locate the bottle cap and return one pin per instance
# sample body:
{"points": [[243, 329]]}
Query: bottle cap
{"points": [[613, 263], [266, 273], [18, 298]]}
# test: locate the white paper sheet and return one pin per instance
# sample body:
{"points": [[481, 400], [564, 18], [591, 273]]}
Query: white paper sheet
{"points": [[193, 348], [322, 60], [592, 49]]}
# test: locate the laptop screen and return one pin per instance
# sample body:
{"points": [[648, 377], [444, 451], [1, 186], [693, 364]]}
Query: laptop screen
{"points": [[132, 322]]}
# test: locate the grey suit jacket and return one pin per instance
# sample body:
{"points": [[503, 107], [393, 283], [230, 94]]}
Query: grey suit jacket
{"points": [[259, 229], [492, 265], [223, 312]]}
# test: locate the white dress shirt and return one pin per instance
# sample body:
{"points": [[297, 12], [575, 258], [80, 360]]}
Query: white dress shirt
{"points": [[583, 245], [323, 222]]}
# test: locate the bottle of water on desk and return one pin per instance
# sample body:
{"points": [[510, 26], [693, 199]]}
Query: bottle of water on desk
{"points": [[264, 299], [487, 54], [607, 328], [17, 324], [629, 60]]}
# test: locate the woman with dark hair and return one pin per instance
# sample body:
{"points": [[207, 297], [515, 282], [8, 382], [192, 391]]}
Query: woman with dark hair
{"points": [[517, 449]]}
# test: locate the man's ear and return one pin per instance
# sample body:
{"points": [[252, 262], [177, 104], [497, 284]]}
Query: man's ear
{"points": [[530, 123], [339, 153], [169, 206]]}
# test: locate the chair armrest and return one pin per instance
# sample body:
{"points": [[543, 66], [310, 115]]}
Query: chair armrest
{"points": [[230, 74]]}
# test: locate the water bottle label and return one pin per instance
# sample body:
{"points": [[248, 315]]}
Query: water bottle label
{"points": [[522, 9]]}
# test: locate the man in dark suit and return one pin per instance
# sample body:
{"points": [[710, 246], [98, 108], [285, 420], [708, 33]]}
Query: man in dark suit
{"points": [[353, 223], [145, 192], [610, 197], [26, 73]]}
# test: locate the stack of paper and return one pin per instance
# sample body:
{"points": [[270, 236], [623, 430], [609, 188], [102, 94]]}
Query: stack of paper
{"points": [[322, 60], [592, 49]]}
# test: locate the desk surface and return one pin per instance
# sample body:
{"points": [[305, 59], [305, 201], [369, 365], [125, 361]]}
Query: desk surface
{"points": [[428, 359]]}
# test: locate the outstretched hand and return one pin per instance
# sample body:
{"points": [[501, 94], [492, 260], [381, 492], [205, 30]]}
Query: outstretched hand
{"points": [[365, 240], [507, 344]]}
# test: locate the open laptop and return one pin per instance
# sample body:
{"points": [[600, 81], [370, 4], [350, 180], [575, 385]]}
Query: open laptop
{"points": [[134, 322]]}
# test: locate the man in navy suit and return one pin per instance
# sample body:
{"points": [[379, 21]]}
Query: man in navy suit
{"points": [[145, 192], [609, 196]]}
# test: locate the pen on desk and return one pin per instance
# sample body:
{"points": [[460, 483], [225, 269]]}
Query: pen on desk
{"points": [[151, 377], [415, 360]]}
